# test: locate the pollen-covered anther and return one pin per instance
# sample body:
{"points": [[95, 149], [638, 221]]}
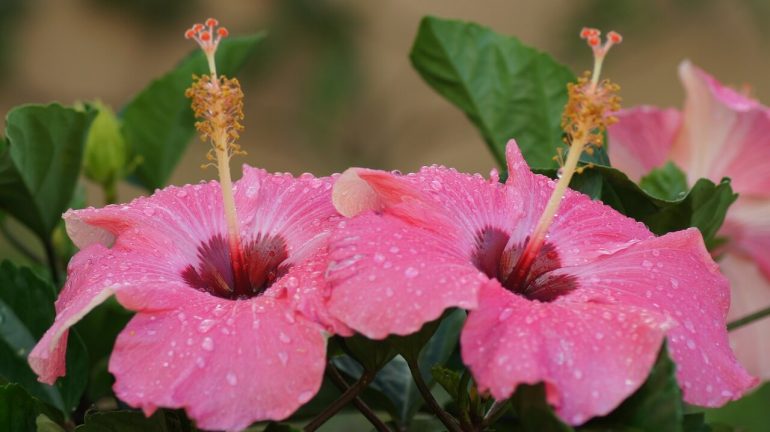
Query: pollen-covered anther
{"points": [[218, 106]]}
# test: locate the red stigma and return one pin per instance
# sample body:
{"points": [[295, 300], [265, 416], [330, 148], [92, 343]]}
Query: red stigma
{"points": [[222, 32], [588, 32], [614, 37], [189, 34], [205, 36], [211, 22], [197, 27], [594, 41]]}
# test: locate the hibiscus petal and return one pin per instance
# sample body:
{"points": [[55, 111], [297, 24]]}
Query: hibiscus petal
{"points": [[228, 363], [308, 291], [175, 220], [298, 209], [389, 277], [642, 138], [86, 288], [748, 227], [589, 358], [140, 280], [723, 134], [675, 276], [750, 293], [582, 230]]}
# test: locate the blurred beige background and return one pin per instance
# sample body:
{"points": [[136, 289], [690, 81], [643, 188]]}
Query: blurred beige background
{"points": [[338, 89]]}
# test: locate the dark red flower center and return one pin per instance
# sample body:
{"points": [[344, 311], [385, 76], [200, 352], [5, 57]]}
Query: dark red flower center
{"points": [[263, 261], [496, 261]]}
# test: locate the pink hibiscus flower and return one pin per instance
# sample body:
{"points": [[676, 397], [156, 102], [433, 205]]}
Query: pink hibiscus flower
{"points": [[228, 357], [589, 317], [227, 282], [720, 133]]}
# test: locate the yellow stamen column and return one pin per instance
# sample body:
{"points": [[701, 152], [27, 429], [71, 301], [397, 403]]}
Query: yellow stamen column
{"points": [[585, 119]]}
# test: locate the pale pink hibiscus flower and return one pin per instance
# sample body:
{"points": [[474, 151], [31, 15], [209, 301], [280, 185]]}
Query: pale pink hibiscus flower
{"points": [[720, 133], [227, 282], [589, 317]]}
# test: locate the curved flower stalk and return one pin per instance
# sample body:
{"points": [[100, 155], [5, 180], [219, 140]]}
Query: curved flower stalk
{"points": [[227, 282], [561, 289], [720, 133]]}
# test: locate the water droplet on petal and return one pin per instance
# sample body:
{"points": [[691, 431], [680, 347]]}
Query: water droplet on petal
{"points": [[181, 193], [231, 378], [206, 325], [305, 396], [505, 314], [207, 344], [284, 337], [411, 272], [283, 357]]}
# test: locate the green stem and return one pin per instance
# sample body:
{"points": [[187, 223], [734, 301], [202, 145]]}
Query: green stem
{"points": [[110, 192], [748, 319], [449, 422], [367, 412], [340, 403]]}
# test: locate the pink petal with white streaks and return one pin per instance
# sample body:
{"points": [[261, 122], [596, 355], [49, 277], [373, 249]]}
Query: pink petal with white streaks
{"points": [[227, 363], [751, 293], [673, 275], [589, 359], [389, 277]]}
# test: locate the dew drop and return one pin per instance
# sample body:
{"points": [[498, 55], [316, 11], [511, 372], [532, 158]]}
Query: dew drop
{"points": [[200, 362], [283, 357], [181, 193], [305, 396], [646, 263], [149, 211], [207, 344], [284, 338], [388, 292], [206, 325], [411, 272], [231, 378], [505, 314]]}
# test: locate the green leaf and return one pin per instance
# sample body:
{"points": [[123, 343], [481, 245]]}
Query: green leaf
{"points": [[371, 354], [533, 414], [703, 207], [158, 123], [19, 412], [507, 89], [26, 312], [40, 163], [749, 413], [667, 182], [655, 406], [132, 421], [448, 379], [395, 382], [280, 427]]}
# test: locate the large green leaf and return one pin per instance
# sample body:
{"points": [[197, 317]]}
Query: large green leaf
{"points": [[20, 412], [40, 163], [26, 312], [532, 412], [655, 406], [158, 123], [703, 207], [507, 89]]}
